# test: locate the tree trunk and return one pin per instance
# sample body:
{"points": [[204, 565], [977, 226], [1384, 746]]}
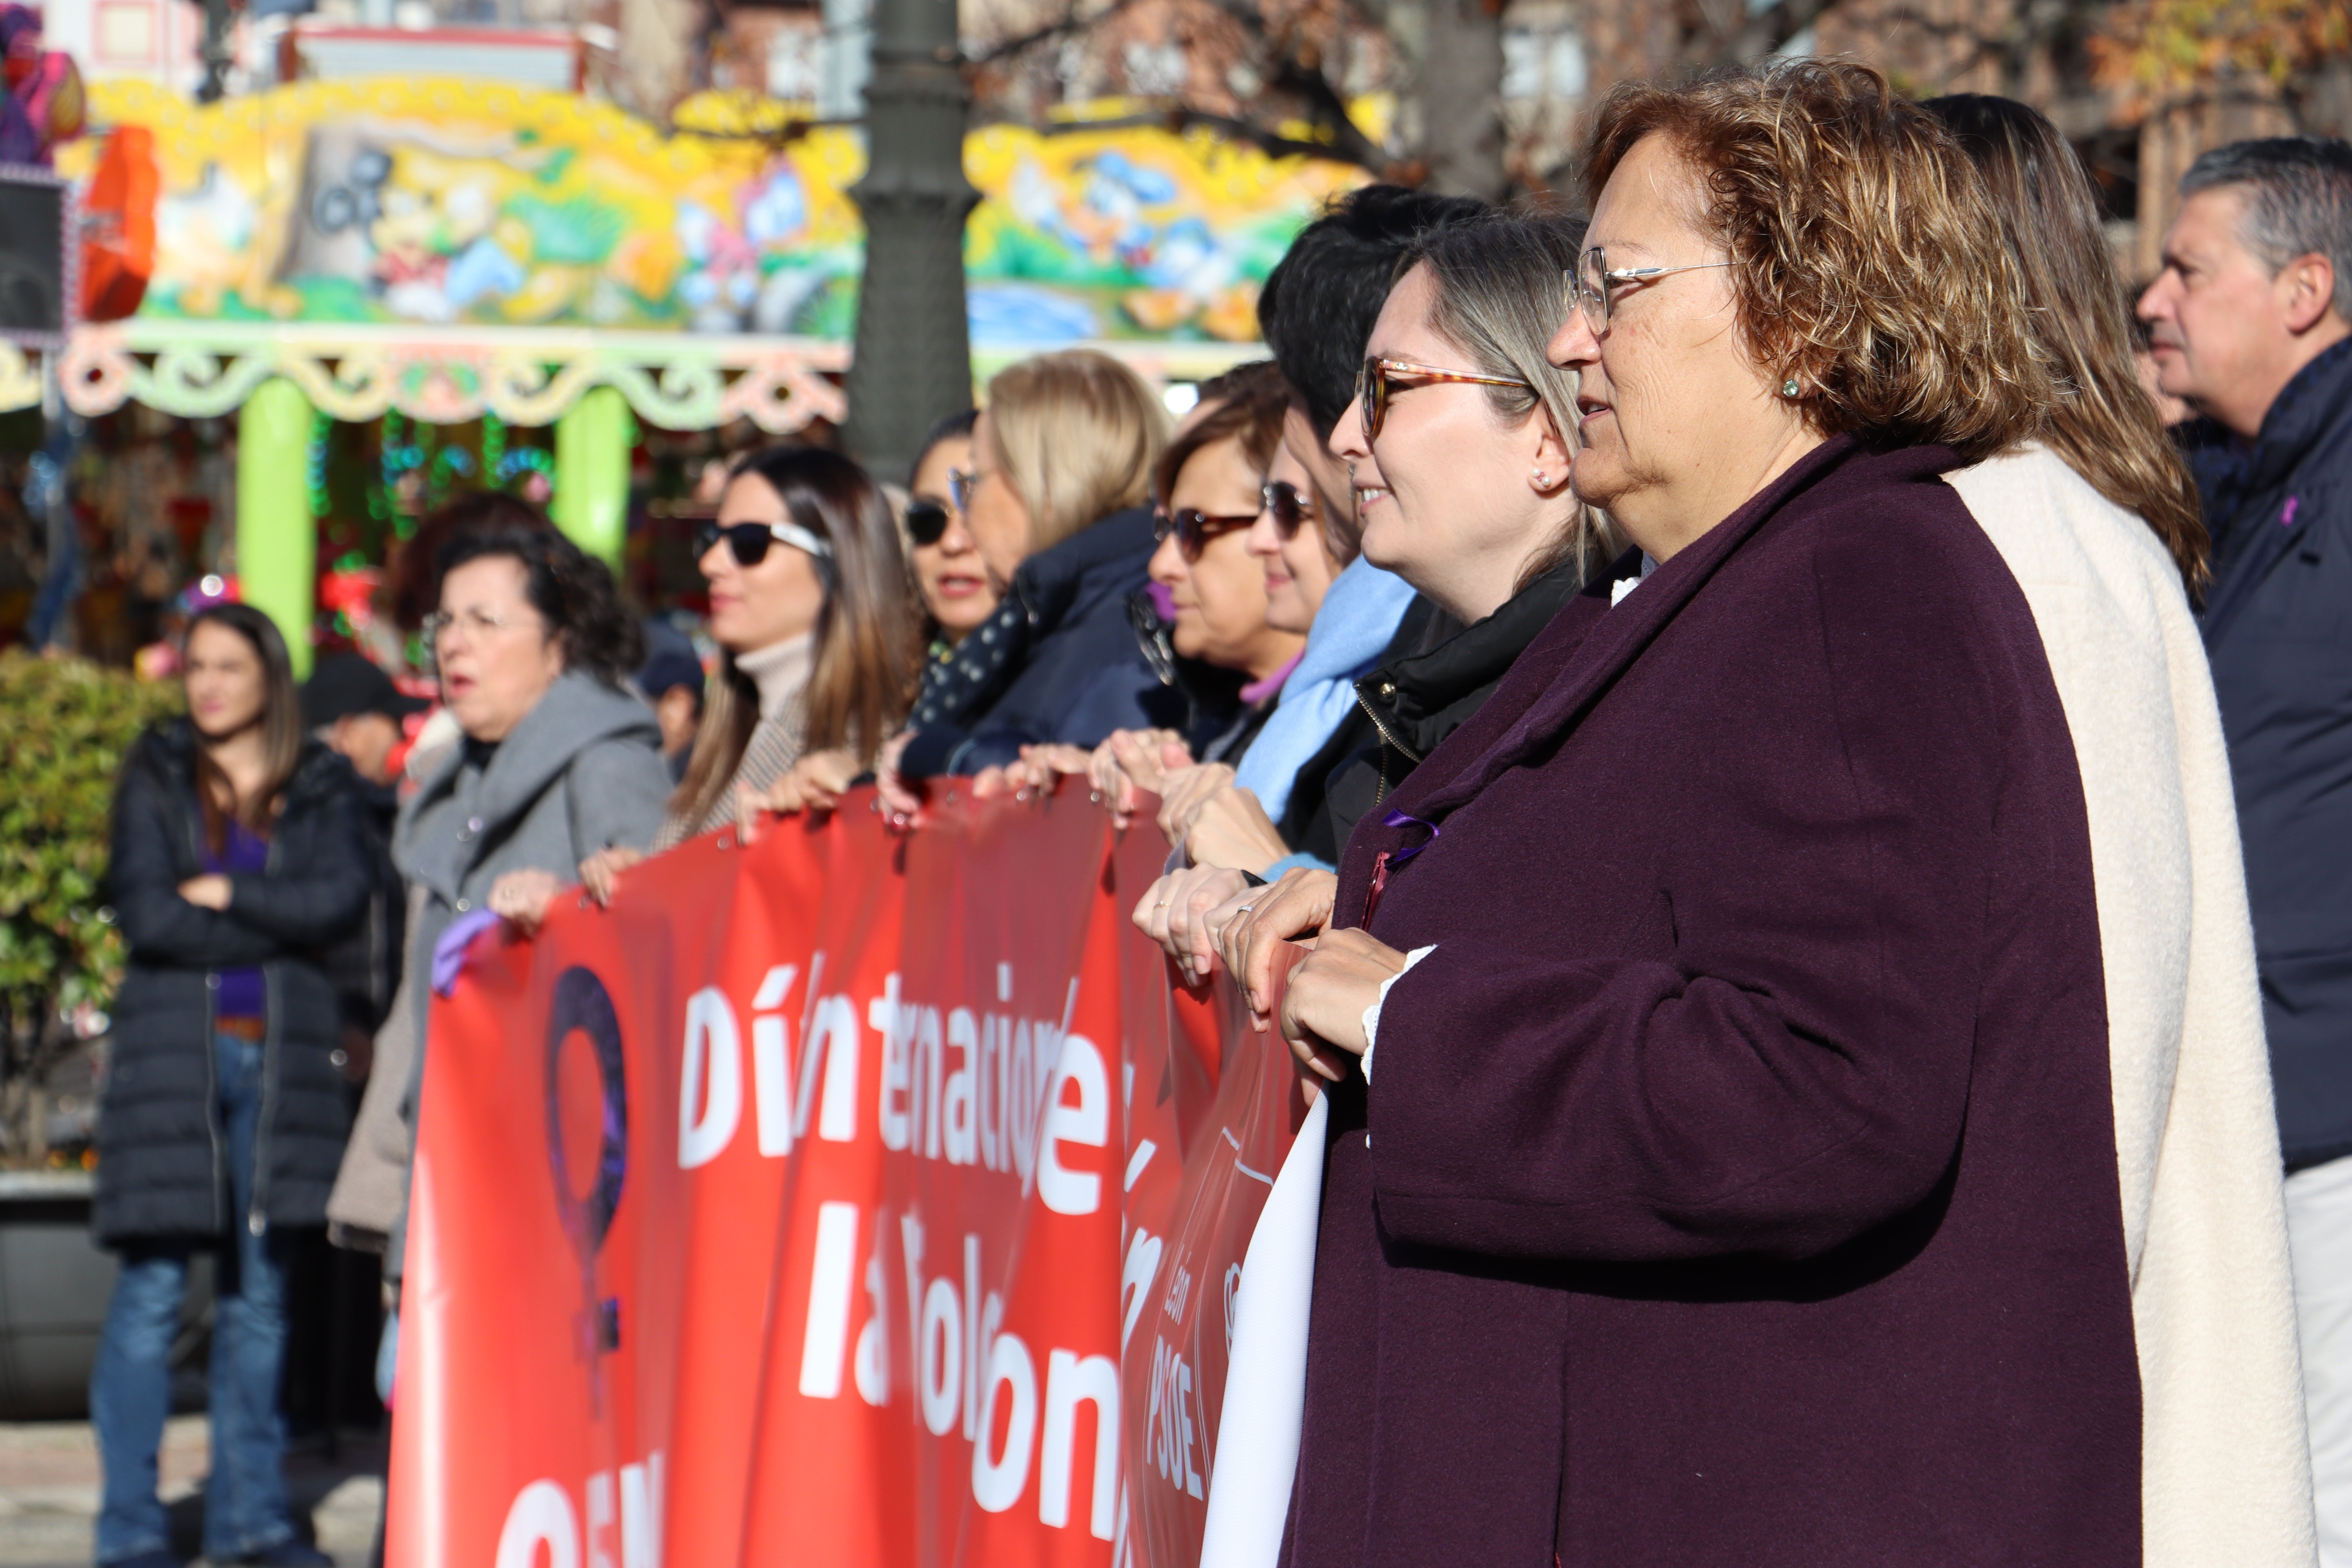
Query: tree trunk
{"points": [[1461, 93]]}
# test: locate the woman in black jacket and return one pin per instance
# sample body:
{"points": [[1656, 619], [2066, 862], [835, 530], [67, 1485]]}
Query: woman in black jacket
{"points": [[238, 855]]}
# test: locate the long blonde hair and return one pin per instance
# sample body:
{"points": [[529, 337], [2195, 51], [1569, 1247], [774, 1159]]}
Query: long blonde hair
{"points": [[1076, 433]]}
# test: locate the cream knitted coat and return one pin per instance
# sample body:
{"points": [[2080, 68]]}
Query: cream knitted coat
{"points": [[2226, 1471]]}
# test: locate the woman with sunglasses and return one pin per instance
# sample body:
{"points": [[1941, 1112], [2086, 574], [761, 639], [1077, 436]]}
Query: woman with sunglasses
{"points": [[1460, 461], [1062, 461], [1209, 479], [816, 634], [957, 590]]}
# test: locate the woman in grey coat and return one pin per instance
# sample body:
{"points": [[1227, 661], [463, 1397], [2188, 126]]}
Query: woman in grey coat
{"points": [[558, 763]]}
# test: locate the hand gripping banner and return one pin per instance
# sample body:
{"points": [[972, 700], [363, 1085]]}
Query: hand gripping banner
{"points": [[851, 1198]]}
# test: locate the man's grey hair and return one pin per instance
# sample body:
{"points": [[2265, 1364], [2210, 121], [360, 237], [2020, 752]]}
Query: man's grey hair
{"points": [[2298, 200]]}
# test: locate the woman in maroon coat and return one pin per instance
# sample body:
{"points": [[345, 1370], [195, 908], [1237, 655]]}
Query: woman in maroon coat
{"points": [[1729, 1178]]}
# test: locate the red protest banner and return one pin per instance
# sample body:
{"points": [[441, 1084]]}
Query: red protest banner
{"points": [[800, 1207]]}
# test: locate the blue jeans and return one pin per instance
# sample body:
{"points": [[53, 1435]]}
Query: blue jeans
{"points": [[245, 1510]]}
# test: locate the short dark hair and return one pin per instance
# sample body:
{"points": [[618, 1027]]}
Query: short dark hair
{"points": [[2298, 200], [1320, 301], [571, 589], [416, 564], [947, 427], [1249, 403]]}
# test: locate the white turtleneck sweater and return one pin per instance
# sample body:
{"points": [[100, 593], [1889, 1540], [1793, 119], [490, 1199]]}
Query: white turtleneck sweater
{"points": [[780, 672]]}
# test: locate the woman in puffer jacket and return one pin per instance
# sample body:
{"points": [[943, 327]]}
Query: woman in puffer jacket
{"points": [[238, 855]]}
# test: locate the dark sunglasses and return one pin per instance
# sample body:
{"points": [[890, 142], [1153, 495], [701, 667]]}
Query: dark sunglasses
{"points": [[1292, 506], [1194, 528], [927, 520], [749, 542], [1383, 379]]}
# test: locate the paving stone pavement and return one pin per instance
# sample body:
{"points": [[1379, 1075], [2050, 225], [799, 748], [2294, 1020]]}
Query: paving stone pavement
{"points": [[49, 1483]]}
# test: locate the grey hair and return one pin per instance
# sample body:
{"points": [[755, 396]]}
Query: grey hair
{"points": [[2298, 200], [1502, 292]]}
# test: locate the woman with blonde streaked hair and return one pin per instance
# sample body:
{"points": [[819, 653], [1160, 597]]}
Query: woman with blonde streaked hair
{"points": [[1718, 1162], [1058, 501]]}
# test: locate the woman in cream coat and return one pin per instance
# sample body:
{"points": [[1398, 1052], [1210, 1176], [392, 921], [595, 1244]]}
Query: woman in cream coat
{"points": [[2101, 528]]}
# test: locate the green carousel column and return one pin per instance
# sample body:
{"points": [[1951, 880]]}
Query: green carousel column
{"points": [[277, 538], [592, 473]]}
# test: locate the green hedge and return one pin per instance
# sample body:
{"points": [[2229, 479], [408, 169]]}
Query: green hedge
{"points": [[64, 727]]}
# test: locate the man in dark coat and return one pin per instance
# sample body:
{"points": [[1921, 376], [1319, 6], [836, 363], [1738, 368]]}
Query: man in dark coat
{"points": [[2251, 324], [1736, 1181], [353, 707]]}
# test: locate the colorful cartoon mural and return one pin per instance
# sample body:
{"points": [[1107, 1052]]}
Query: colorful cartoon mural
{"points": [[447, 203]]}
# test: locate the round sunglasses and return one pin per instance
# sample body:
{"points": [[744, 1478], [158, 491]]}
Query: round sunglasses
{"points": [[1192, 527], [749, 542]]}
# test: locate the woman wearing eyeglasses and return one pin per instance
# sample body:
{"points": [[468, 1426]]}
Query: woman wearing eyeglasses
{"points": [[559, 759], [816, 634], [1720, 1159], [1459, 465]]}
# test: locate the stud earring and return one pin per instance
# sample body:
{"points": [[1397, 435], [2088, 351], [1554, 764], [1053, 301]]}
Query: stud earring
{"points": [[1789, 388]]}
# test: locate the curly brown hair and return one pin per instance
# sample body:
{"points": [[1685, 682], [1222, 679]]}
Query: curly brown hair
{"points": [[571, 590], [1865, 251]]}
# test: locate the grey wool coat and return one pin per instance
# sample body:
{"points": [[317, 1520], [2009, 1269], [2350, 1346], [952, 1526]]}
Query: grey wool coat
{"points": [[581, 772]]}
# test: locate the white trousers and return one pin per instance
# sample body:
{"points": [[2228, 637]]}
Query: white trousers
{"points": [[2319, 1234]]}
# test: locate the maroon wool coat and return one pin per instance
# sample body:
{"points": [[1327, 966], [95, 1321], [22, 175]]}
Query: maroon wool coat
{"points": [[1736, 1187]]}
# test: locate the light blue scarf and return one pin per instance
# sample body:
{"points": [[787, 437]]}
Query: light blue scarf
{"points": [[1360, 615]]}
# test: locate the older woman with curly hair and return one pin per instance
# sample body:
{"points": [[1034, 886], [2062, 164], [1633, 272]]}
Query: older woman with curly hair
{"points": [[1720, 1166]]}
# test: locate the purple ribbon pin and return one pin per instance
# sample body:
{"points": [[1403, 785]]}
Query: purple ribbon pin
{"points": [[1399, 819], [2286, 518]]}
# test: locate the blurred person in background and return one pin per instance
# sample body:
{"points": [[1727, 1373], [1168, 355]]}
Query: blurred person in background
{"points": [[239, 850], [1476, 513], [2098, 521], [353, 707], [1055, 504], [558, 762], [671, 680], [2251, 324], [816, 630]]}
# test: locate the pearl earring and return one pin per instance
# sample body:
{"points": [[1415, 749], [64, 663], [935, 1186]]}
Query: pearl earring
{"points": [[1789, 388]]}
